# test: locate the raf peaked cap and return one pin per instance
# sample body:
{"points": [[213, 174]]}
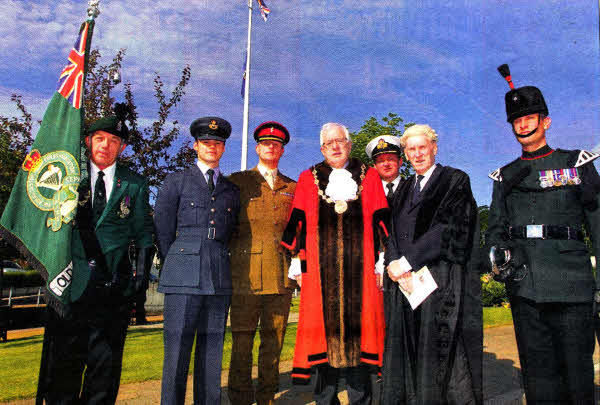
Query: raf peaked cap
{"points": [[271, 131], [112, 124], [383, 144], [210, 128], [522, 101]]}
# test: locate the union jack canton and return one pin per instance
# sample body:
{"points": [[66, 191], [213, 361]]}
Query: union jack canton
{"points": [[70, 82]]}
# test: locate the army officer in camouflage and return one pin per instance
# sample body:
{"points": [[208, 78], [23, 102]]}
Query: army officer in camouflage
{"points": [[261, 288], [540, 203]]}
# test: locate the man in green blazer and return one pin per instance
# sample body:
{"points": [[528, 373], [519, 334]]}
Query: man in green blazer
{"points": [[261, 289], [113, 221]]}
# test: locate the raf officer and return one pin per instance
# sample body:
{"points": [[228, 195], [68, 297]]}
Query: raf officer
{"points": [[87, 339], [196, 212], [540, 202], [261, 288]]}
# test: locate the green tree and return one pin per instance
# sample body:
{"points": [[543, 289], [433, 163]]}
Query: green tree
{"points": [[392, 125], [152, 148], [484, 213]]}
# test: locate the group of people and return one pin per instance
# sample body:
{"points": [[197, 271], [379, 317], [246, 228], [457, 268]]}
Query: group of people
{"points": [[388, 268]]}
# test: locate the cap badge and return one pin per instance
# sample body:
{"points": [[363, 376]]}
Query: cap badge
{"points": [[382, 144], [271, 129], [213, 125]]}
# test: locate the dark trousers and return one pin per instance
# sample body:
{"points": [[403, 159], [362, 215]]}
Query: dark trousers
{"points": [[203, 317], [556, 344], [78, 343], [358, 381], [247, 311]]}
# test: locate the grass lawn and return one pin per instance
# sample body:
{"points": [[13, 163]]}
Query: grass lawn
{"points": [[20, 358]]}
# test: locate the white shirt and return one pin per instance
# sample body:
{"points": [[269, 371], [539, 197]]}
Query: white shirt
{"points": [[204, 168], [109, 177], [263, 170], [395, 183], [426, 176]]}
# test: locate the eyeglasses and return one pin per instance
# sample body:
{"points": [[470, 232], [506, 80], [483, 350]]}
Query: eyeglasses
{"points": [[334, 142]]}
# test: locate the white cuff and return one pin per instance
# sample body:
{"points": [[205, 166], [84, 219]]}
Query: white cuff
{"points": [[404, 265], [379, 267], [295, 269]]}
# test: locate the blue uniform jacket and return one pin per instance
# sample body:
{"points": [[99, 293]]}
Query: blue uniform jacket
{"points": [[193, 228]]}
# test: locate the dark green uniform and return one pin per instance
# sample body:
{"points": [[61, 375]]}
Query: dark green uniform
{"points": [[540, 203]]}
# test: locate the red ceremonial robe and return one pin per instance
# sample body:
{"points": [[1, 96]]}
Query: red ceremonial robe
{"points": [[302, 236]]}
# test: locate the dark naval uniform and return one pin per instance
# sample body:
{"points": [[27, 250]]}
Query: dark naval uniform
{"points": [[194, 225], [541, 204]]}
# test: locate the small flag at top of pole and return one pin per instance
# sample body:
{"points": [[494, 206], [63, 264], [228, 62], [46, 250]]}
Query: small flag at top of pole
{"points": [[264, 10]]}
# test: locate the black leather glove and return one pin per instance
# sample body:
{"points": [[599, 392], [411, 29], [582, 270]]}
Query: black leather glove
{"points": [[142, 268]]}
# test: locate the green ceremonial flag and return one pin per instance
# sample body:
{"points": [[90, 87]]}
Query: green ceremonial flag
{"points": [[38, 218]]}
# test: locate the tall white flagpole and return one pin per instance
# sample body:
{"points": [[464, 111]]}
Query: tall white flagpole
{"points": [[246, 92]]}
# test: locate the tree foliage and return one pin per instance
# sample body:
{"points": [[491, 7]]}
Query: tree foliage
{"points": [[152, 147], [392, 125], [15, 140]]}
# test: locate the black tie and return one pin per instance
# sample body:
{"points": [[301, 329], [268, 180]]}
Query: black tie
{"points": [[99, 202], [390, 193], [416, 196], [211, 182]]}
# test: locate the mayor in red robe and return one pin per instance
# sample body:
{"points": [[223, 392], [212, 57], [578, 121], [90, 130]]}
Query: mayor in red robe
{"points": [[338, 219]]}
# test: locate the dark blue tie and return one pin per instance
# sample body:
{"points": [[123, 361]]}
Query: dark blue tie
{"points": [[416, 195]]}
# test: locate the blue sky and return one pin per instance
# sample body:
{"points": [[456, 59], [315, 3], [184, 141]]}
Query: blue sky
{"points": [[344, 61]]}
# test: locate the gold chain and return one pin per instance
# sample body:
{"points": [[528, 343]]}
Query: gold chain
{"points": [[340, 205]]}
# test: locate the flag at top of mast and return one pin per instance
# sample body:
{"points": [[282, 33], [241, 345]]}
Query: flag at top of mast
{"points": [[264, 10]]}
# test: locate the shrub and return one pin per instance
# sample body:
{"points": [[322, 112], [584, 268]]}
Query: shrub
{"points": [[493, 293]]}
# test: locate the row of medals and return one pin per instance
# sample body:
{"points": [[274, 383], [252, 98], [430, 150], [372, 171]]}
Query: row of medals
{"points": [[556, 180]]}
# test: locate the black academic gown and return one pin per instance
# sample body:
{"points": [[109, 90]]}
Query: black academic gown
{"points": [[433, 354]]}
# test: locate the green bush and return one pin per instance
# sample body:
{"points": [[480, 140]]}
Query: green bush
{"points": [[25, 278], [493, 293]]}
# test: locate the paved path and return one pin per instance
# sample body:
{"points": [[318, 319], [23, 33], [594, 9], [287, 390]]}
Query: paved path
{"points": [[501, 375]]}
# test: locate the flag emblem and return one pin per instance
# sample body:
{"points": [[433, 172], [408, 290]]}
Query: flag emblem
{"points": [[70, 83], [264, 10]]}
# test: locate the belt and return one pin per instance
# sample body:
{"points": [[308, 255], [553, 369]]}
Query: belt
{"points": [[545, 232]]}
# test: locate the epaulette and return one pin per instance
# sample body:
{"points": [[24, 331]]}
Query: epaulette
{"points": [[495, 175], [585, 157]]}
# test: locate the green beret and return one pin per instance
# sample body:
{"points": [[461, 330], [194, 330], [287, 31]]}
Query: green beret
{"points": [[111, 124]]}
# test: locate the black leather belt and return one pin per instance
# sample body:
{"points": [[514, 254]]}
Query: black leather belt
{"points": [[545, 232]]}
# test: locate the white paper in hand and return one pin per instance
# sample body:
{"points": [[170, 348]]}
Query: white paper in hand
{"points": [[423, 285]]}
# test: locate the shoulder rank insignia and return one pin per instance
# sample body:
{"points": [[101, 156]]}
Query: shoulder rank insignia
{"points": [[495, 175], [585, 157]]}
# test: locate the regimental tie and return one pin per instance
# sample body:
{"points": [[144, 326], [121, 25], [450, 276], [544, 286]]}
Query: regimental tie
{"points": [[99, 202], [211, 181]]}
